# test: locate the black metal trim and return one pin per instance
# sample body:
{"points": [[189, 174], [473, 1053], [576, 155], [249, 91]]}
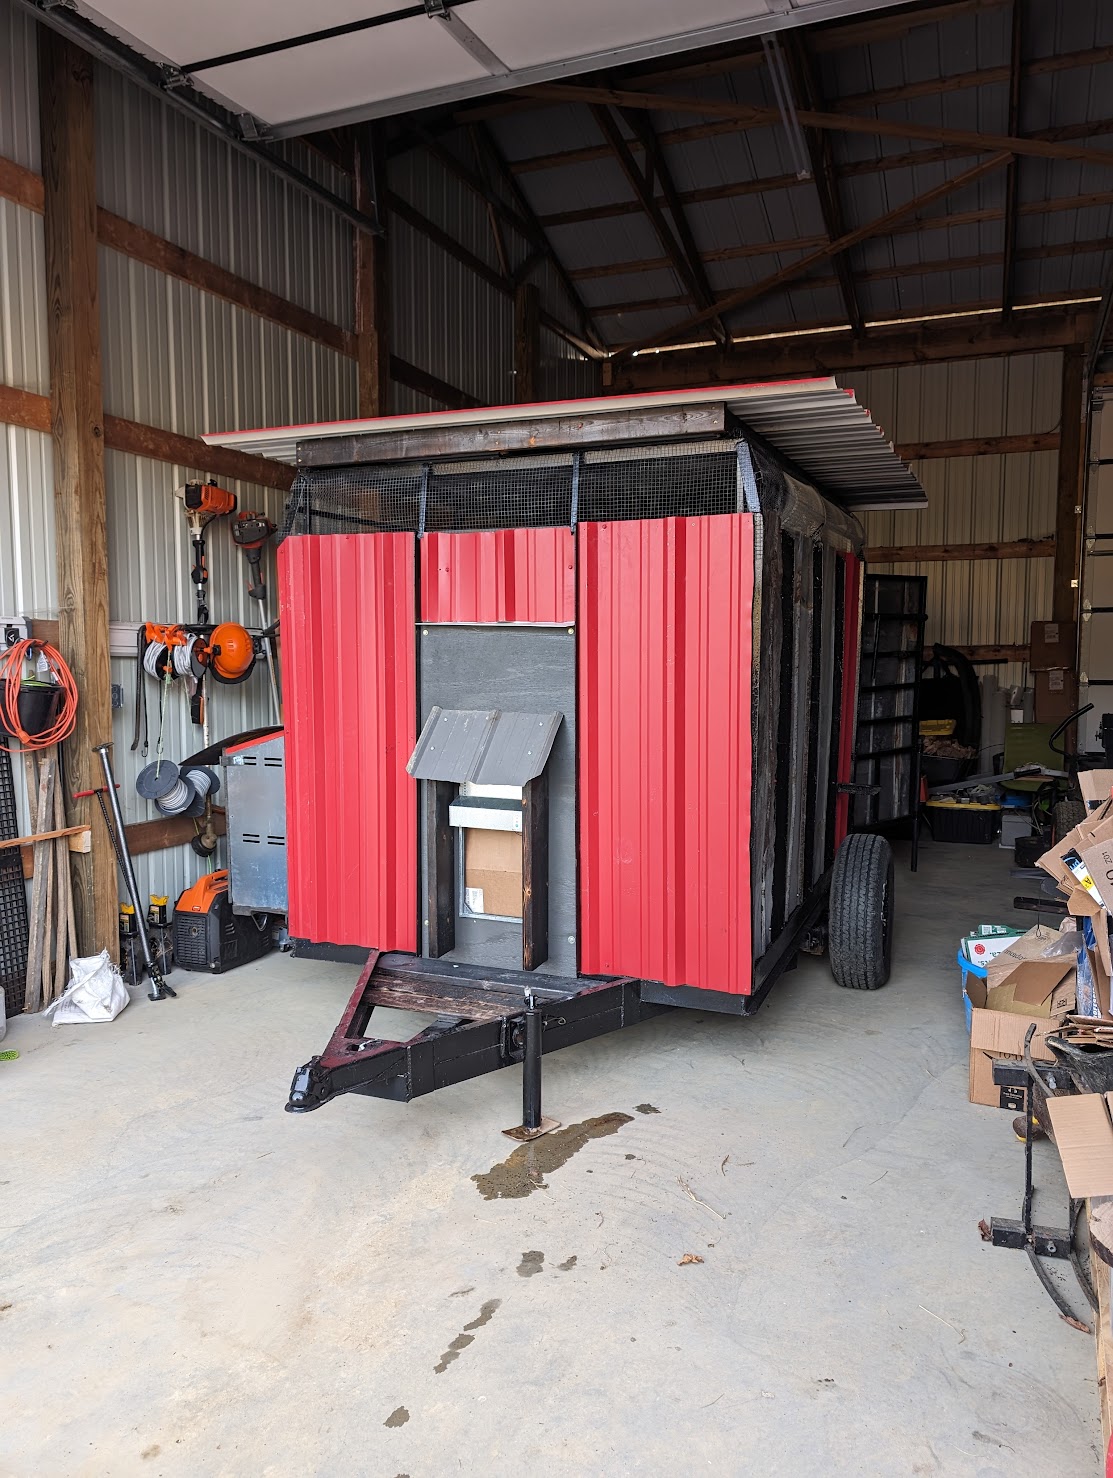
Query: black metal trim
{"points": [[291, 43]]}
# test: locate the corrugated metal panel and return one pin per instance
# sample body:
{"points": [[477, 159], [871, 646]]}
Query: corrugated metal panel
{"points": [[159, 169], [19, 87], [23, 352], [499, 575], [351, 726], [665, 750], [984, 499], [565, 373], [28, 581]]}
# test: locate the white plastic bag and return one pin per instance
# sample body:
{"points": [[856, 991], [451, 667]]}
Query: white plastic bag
{"points": [[96, 992]]}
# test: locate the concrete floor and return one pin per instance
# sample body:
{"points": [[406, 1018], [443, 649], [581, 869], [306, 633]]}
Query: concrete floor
{"points": [[193, 1282]]}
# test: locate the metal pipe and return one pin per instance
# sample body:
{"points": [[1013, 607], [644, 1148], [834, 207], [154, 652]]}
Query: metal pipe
{"points": [[159, 989], [531, 1066]]}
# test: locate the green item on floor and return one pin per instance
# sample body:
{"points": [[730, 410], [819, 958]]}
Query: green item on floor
{"points": [[9, 1056]]}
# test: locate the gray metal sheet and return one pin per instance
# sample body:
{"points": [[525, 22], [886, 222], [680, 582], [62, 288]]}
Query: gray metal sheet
{"points": [[485, 746], [497, 666]]}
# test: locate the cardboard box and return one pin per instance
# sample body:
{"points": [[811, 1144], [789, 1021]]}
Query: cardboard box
{"points": [[987, 941], [1001, 1034], [1056, 695], [493, 872], [1052, 644], [1095, 785], [1083, 1134]]}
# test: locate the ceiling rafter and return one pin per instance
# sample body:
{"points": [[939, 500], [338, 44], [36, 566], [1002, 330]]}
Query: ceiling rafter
{"points": [[747, 115], [539, 238], [1012, 174], [821, 156], [676, 239], [804, 264]]}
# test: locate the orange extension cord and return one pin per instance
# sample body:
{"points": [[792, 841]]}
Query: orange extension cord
{"points": [[11, 673]]}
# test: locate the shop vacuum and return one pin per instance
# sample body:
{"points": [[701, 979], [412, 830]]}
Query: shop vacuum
{"points": [[209, 936]]}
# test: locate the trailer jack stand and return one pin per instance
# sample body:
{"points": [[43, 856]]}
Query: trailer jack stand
{"points": [[533, 1124]]}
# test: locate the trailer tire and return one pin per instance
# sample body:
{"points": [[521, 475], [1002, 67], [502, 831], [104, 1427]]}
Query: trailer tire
{"points": [[860, 912]]}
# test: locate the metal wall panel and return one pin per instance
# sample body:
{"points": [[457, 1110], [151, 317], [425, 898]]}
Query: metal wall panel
{"points": [[160, 170], [23, 351], [19, 87], [28, 583], [351, 726], [501, 575], [973, 499], [665, 749]]}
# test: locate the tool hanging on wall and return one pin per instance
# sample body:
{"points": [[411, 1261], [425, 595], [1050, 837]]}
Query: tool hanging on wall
{"points": [[202, 502], [167, 653], [251, 532]]}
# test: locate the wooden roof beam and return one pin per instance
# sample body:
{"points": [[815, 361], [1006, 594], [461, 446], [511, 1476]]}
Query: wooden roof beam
{"points": [[1012, 174], [746, 116], [804, 264], [821, 156]]}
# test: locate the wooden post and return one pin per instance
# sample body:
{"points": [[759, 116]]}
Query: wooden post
{"points": [[440, 869], [77, 418], [1068, 499], [535, 871], [372, 286], [527, 343]]}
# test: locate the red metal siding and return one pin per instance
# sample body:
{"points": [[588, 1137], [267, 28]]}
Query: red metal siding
{"points": [[666, 652], [851, 657], [348, 665], [505, 575]]}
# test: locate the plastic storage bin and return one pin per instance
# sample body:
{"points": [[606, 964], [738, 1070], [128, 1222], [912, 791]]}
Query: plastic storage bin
{"points": [[958, 821]]}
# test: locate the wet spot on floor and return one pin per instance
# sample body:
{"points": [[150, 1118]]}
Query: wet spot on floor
{"points": [[461, 1292], [646, 1108], [568, 1264], [524, 1170], [466, 1337], [631, 1157], [531, 1263], [152, 1451], [397, 1418]]}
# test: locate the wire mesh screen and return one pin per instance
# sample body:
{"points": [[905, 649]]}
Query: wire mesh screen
{"points": [[13, 896], [541, 491]]}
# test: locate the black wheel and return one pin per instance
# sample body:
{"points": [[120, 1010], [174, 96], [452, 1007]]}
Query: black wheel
{"points": [[860, 912], [1066, 816]]}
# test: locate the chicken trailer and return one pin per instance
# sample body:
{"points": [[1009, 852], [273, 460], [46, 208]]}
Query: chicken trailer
{"points": [[570, 698]]}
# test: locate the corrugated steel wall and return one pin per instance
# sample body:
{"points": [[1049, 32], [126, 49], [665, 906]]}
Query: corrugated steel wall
{"points": [[973, 499], [351, 699], [499, 575], [665, 753]]}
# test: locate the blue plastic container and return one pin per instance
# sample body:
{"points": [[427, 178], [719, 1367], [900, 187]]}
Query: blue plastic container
{"points": [[969, 968]]}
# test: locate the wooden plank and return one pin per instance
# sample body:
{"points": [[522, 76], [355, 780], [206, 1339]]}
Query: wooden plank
{"points": [[840, 35], [1068, 494], [535, 872], [188, 451], [643, 423], [372, 279], [81, 841], [991, 652], [895, 554], [747, 115], [20, 184], [49, 836], [804, 264], [24, 408], [169, 831], [830, 353], [425, 383], [527, 344], [979, 446], [77, 416], [399, 996], [155, 251], [440, 869]]}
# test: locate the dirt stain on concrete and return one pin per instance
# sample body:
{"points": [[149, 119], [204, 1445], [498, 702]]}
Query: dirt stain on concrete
{"points": [[645, 1108], [397, 1418], [467, 1337], [152, 1451], [531, 1263], [524, 1170], [568, 1264]]}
